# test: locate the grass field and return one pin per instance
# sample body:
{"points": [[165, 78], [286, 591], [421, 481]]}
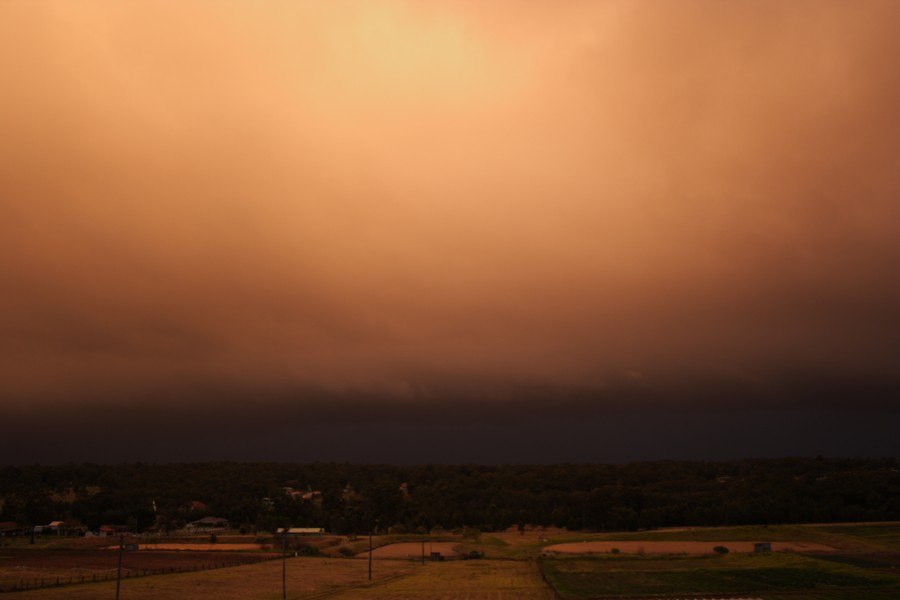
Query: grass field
{"points": [[305, 578], [597, 577], [460, 580], [865, 566], [879, 537]]}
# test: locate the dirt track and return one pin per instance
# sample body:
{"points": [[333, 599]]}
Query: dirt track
{"points": [[413, 550], [201, 547], [674, 547]]}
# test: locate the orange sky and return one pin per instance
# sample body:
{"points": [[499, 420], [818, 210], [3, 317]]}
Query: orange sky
{"points": [[687, 202]]}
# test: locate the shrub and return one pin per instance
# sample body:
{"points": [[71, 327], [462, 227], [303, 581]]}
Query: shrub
{"points": [[308, 550], [720, 550], [398, 529]]}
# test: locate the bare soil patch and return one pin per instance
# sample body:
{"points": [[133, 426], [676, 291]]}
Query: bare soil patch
{"points": [[413, 550], [677, 547], [28, 568], [201, 547]]}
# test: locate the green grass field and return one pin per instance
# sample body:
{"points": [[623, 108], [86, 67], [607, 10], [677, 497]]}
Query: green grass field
{"points": [[866, 565], [880, 537], [597, 577]]}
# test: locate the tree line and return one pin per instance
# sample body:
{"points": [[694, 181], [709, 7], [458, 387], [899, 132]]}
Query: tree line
{"points": [[355, 498]]}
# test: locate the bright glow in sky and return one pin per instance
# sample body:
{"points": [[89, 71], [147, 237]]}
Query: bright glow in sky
{"points": [[600, 204]]}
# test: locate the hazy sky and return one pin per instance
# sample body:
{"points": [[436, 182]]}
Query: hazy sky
{"points": [[424, 230]]}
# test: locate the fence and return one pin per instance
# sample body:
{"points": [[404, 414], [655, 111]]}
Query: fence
{"points": [[24, 584]]}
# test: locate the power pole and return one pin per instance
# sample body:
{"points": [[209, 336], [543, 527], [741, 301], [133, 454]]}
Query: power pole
{"points": [[370, 554], [119, 569], [284, 564]]}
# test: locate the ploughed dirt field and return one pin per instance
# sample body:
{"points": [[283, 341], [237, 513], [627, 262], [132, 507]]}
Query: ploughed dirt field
{"points": [[677, 547], [201, 547], [29, 567], [413, 550]]}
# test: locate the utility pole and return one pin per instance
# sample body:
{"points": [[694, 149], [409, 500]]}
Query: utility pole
{"points": [[119, 569], [284, 564], [370, 554]]}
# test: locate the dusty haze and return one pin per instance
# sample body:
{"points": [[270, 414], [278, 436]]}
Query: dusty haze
{"points": [[406, 215]]}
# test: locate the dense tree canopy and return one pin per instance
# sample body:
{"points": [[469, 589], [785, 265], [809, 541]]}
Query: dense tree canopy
{"points": [[352, 498]]}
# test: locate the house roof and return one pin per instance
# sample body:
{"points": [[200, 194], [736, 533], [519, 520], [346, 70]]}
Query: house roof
{"points": [[211, 520], [302, 530]]}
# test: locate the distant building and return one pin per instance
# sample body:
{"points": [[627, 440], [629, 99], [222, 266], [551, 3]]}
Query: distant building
{"points": [[10, 529], [209, 524], [194, 506], [301, 531], [68, 528], [306, 496], [54, 527]]}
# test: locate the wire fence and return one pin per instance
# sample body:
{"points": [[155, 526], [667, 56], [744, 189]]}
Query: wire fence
{"points": [[24, 584]]}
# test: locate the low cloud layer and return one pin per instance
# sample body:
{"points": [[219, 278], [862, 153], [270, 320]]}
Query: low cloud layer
{"points": [[408, 206]]}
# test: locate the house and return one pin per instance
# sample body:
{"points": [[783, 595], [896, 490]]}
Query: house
{"points": [[54, 527], [10, 529], [209, 524], [68, 528], [306, 496], [194, 506]]}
